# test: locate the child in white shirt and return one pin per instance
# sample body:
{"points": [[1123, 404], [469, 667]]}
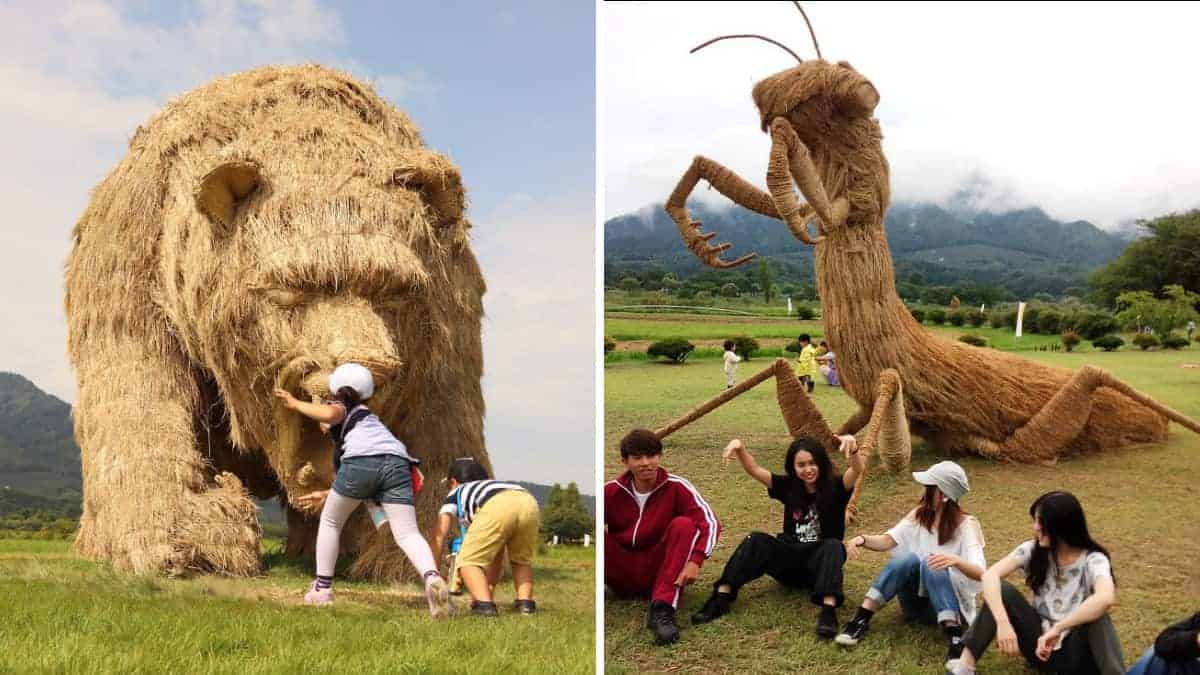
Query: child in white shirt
{"points": [[731, 361]]}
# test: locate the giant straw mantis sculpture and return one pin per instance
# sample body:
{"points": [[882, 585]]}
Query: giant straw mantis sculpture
{"points": [[825, 141]]}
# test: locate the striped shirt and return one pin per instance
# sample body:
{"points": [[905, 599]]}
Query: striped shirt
{"points": [[464, 501]]}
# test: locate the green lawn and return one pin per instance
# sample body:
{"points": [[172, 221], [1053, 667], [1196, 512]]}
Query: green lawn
{"points": [[1143, 503], [64, 614], [647, 328]]}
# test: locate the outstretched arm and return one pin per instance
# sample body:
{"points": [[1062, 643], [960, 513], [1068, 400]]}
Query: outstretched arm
{"points": [[325, 413], [736, 448]]}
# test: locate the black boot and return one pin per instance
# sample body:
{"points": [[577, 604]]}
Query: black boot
{"points": [[954, 641], [481, 608], [716, 605], [661, 622], [827, 622]]}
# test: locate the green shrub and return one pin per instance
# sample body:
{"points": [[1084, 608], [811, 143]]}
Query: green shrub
{"points": [[1145, 341], [703, 296], [957, 317], [973, 340], [996, 319], [729, 290], [1093, 325], [1174, 341], [805, 313], [1010, 319], [1029, 320], [675, 349], [936, 317], [609, 345], [975, 318], [629, 284], [1069, 339], [1108, 342], [1049, 322], [793, 347], [918, 314], [746, 346]]}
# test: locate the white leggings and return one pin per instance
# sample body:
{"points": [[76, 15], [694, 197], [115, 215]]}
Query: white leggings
{"points": [[401, 517]]}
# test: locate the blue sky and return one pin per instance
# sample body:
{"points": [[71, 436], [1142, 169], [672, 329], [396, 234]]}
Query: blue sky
{"points": [[507, 90]]}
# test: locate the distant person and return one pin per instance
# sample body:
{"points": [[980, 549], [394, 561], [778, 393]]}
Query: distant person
{"points": [[1067, 628], [827, 363], [1190, 328], [731, 361], [806, 363], [495, 517], [658, 532], [808, 553], [371, 465], [1176, 651], [937, 564]]}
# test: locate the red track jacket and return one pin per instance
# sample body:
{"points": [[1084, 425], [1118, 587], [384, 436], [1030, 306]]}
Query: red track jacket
{"points": [[672, 496]]}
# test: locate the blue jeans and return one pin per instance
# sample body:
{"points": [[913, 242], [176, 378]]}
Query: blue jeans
{"points": [[907, 575], [385, 478], [1151, 664]]}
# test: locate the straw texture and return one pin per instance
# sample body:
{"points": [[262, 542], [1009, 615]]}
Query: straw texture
{"points": [[261, 230], [826, 143]]}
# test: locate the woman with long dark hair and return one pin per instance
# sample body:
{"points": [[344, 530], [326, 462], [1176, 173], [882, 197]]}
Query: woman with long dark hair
{"points": [[937, 565], [1067, 628], [809, 552]]}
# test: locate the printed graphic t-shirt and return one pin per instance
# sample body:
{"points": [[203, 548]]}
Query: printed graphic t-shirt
{"points": [[821, 518]]}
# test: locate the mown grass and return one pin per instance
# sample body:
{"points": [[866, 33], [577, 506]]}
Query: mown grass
{"points": [[708, 330], [1142, 502], [65, 614]]}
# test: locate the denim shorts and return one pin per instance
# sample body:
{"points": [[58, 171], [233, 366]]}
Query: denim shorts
{"points": [[385, 478]]}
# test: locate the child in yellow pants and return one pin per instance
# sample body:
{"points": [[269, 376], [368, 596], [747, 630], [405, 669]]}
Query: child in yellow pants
{"points": [[494, 516]]}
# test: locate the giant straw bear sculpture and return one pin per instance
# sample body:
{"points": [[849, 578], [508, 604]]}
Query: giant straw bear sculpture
{"points": [[261, 230]]}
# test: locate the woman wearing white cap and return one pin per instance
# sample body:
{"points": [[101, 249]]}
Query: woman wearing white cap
{"points": [[371, 464], [937, 564]]}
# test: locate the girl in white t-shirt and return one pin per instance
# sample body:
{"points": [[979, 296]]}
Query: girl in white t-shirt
{"points": [[1066, 629], [731, 361], [936, 564], [373, 466]]}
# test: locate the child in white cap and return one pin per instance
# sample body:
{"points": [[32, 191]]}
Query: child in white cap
{"points": [[937, 562], [372, 465]]}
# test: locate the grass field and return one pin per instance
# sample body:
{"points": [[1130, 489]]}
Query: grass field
{"points": [[1143, 503], [64, 614], [634, 332]]}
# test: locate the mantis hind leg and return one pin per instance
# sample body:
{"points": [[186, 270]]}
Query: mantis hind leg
{"points": [[1062, 419]]}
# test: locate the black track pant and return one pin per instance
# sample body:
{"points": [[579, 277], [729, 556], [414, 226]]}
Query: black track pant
{"points": [[1090, 648], [816, 566]]}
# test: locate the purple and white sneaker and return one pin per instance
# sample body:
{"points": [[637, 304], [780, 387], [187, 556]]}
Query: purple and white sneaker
{"points": [[318, 597], [438, 595]]}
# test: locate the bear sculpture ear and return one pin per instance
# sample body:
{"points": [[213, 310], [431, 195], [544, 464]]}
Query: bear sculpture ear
{"points": [[224, 188]]}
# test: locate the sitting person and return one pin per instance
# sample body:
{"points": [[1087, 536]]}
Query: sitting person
{"points": [[809, 552], [1176, 651], [658, 532], [1067, 628], [937, 565], [827, 364], [494, 517]]}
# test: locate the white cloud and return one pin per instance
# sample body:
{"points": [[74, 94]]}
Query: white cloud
{"points": [[1086, 114], [539, 351]]}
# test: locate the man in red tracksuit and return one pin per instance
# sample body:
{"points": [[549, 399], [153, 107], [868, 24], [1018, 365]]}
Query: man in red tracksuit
{"points": [[658, 531]]}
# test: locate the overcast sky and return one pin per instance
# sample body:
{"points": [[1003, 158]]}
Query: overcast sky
{"points": [[1086, 109], [507, 90]]}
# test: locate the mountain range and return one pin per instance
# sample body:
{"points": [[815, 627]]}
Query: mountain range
{"points": [[1025, 250], [39, 460]]}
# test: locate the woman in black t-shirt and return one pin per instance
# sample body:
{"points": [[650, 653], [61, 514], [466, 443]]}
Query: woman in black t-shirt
{"points": [[809, 552]]}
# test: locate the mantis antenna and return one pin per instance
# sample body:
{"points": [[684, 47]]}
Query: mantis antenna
{"points": [[810, 28], [749, 35]]}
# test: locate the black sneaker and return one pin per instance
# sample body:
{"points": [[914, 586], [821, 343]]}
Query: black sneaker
{"points": [[954, 647], [716, 605], [854, 631], [525, 606], [827, 623], [661, 622], [480, 608]]}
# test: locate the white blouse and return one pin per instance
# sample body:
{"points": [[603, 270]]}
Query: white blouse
{"points": [[967, 543]]}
